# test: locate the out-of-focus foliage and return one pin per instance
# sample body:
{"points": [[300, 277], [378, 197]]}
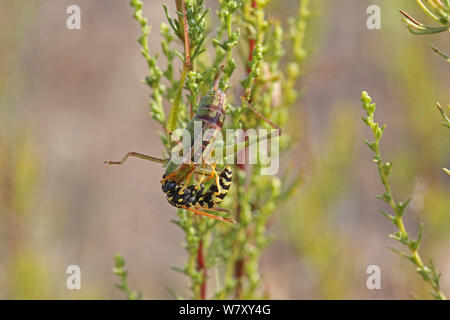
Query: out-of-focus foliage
{"points": [[22, 271], [25, 275], [27, 270], [310, 221]]}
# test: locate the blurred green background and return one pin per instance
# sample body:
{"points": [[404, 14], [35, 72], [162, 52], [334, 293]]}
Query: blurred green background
{"points": [[70, 99]]}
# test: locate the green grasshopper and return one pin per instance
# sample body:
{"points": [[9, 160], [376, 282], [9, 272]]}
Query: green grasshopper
{"points": [[175, 183]]}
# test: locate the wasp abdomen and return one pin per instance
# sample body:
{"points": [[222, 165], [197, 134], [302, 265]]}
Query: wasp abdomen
{"points": [[181, 196], [212, 197]]}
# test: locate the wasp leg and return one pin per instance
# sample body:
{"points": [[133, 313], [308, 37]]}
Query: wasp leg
{"points": [[203, 171], [214, 176], [209, 215], [138, 155], [187, 179], [199, 183]]}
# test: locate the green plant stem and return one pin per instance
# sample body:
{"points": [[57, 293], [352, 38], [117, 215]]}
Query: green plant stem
{"points": [[253, 197], [428, 273], [121, 273], [155, 73], [439, 12], [175, 110], [441, 53], [427, 11], [176, 105], [446, 121]]}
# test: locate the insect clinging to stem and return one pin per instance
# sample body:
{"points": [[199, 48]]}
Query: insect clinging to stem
{"points": [[175, 181]]}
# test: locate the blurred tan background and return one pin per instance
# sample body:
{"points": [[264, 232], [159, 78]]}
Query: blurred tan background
{"points": [[70, 99]]}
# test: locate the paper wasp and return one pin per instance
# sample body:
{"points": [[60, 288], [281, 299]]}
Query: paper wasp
{"points": [[176, 179]]}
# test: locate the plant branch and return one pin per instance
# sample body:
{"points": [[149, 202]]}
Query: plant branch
{"points": [[439, 12], [175, 110], [429, 273], [120, 272], [446, 121], [155, 73]]}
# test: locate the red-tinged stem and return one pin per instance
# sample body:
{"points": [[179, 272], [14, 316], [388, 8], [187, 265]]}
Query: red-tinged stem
{"points": [[239, 265], [251, 47], [251, 43], [187, 66], [181, 6], [202, 267], [186, 38], [187, 59], [239, 273]]}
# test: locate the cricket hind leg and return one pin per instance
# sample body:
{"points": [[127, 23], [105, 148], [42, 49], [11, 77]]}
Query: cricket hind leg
{"points": [[137, 155]]}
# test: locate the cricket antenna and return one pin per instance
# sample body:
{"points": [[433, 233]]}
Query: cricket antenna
{"points": [[216, 79]]}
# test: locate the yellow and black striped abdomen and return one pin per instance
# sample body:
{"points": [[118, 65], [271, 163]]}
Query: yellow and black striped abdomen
{"points": [[212, 197], [181, 196]]}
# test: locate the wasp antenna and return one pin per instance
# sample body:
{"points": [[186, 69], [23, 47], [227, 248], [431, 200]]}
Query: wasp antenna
{"points": [[216, 79]]}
